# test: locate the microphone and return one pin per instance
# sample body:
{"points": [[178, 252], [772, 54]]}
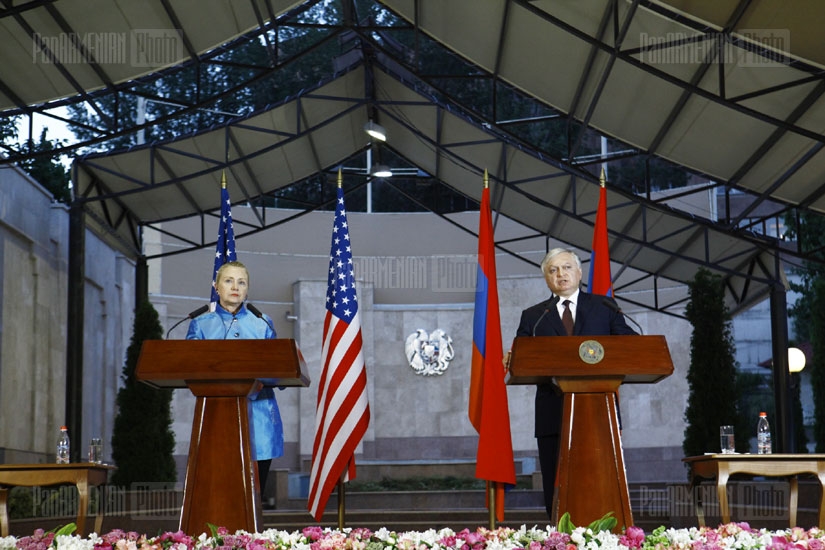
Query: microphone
{"points": [[200, 311], [257, 313], [613, 306], [230, 327], [550, 303]]}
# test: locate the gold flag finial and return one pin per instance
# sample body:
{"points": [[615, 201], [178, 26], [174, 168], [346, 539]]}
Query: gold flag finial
{"points": [[486, 179], [340, 179], [223, 179], [602, 179]]}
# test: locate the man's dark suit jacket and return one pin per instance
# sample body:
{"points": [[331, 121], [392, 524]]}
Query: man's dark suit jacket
{"points": [[593, 318]]}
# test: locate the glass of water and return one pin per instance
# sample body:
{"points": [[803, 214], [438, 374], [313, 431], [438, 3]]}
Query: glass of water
{"points": [[726, 439]]}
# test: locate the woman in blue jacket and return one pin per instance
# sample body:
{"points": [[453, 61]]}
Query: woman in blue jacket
{"points": [[232, 320]]}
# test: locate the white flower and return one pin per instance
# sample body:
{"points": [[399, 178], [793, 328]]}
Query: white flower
{"points": [[8, 543], [72, 542]]}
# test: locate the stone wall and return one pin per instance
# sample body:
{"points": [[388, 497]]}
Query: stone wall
{"points": [[34, 252]]}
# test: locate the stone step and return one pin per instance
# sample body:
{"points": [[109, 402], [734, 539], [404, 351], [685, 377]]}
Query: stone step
{"points": [[405, 520]]}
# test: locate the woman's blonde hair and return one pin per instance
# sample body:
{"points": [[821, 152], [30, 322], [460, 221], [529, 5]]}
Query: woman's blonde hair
{"points": [[231, 264]]}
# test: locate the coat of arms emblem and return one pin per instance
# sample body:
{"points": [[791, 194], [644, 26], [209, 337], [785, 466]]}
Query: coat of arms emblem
{"points": [[429, 354]]}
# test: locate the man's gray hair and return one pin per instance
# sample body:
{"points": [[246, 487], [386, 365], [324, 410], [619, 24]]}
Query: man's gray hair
{"points": [[555, 252]]}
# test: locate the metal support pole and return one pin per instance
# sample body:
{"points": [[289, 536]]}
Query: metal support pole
{"points": [[74, 329], [141, 281], [782, 426]]}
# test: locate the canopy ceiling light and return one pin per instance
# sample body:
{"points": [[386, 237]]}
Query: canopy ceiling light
{"points": [[796, 359], [381, 171], [375, 130]]}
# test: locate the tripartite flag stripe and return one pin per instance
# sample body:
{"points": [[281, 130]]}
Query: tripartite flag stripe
{"points": [[479, 346], [488, 410], [600, 280]]}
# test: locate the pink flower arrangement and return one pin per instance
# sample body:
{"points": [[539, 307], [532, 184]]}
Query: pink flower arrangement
{"points": [[738, 536]]}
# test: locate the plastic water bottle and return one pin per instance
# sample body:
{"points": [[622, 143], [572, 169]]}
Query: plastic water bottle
{"points": [[63, 446], [763, 435]]}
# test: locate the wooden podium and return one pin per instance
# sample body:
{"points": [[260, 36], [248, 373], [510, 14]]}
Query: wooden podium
{"points": [[591, 479], [221, 475]]}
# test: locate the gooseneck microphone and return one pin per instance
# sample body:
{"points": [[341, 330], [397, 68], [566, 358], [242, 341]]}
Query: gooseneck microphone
{"points": [[257, 313], [231, 324], [550, 303], [200, 311], [612, 305]]}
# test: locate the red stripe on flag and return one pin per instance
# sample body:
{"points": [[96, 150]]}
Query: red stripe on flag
{"points": [[342, 410], [600, 279], [494, 460]]}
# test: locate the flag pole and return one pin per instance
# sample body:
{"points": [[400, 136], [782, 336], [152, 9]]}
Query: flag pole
{"points": [[491, 485], [341, 504], [342, 507], [491, 499]]}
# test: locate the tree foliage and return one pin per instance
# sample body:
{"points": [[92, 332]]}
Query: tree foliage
{"points": [[808, 316], [47, 169], [142, 438], [817, 317], [712, 399]]}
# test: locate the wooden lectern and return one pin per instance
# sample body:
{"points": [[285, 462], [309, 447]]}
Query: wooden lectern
{"points": [[591, 479], [221, 475]]}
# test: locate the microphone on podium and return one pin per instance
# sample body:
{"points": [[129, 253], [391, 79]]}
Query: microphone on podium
{"points": [[200, 311], [550, 303], [611, 304], [257, 313]]}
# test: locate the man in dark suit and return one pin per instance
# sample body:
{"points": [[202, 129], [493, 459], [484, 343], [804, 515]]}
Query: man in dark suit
{"points": [[590, 315]]}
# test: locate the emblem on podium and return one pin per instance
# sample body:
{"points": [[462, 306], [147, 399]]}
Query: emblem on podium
{"points": [[591, 352]]}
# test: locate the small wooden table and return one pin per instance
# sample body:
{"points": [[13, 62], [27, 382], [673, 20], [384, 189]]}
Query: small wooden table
{"points": [[82, 475], [722, 466]]}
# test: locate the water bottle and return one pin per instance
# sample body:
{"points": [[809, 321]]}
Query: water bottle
{"points": [[763, 435], [63, 446]]}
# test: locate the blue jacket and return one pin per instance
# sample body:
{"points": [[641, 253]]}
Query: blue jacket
{"points": [[593, 318], [265, 426]]}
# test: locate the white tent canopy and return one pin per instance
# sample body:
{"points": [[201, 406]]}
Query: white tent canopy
{"points": [[731, 91]]}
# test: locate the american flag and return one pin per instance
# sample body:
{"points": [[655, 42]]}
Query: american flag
{"points": [[342, 412], [225, 247]]}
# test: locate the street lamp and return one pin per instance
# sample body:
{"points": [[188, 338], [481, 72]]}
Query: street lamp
{"points": [[796, 362]]}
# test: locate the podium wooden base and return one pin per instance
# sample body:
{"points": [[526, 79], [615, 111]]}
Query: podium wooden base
{"points": [[591, 480], [221, 475]]}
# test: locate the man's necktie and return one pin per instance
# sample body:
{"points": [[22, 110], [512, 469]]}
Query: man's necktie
{"points": [[567, 318]]}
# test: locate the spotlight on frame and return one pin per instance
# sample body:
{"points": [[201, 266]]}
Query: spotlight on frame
{"points": [[382, 171], [375, 130]]}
